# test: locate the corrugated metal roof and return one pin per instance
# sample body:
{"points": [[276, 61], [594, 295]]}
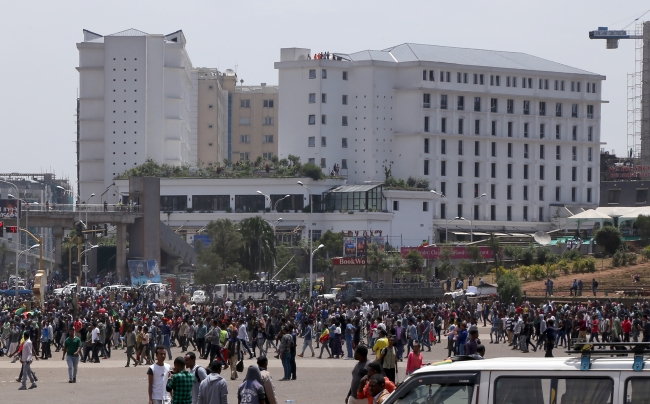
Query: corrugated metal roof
{"points": [[355, 188], [129, 32], [410, 52]]}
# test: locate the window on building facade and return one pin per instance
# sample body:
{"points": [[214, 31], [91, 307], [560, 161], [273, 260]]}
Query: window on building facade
{"points": [[426, 100], [494, 105], [443, 101], [494, 149], [323, 119], [173, 203], [323, 74], [477, 169], [323, 163], [323, 98], [344, 121], [344, 142], [493, 170], [202, 203], [460, 147], [426, 167], [494, 128], [312, 98], [268, 121], [526, 107], [510, 124], [461, 103], [460, 168], [268, 103], [574, 153], [443, 168], [344, 164], [477, 104], [525, 171], [244, 138], [245, 156], [526, 129], [590, 111], [493, 212], [312, 73], [477, 148], [267, 138], [244, 121], [460, 126], [443, 125], [344, 99], [477, 126], [443, 146], [312, 120], [267, 155], [244, 103], [345, 75], [510, 106], [542, 108], [311, 141], [558, 109], [541, 151], [426, 146], [426, 123], [323, 141]]}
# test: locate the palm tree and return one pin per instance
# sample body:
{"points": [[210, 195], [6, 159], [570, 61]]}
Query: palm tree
{"points": [[3, 257], [258, 249]]}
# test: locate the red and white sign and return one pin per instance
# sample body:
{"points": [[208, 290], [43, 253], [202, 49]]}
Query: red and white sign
{"points": [[433, 253], [349, 261]]}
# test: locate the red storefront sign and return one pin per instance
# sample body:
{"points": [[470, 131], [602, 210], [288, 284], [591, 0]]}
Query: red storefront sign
{"points": [[433, 253], [349, 261]]}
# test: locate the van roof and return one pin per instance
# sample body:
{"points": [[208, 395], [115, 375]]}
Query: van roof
{"points": [[566, 363]]}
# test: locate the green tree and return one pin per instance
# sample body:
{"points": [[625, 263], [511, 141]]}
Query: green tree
{"points": [[258, 244], [515, 253], [414, 260], [495, 247], [643, 226], [445, 268], [475, 256], [609, 237], [509, 285], [377, 260], [544, 255], [225, 242], [3, 257], [333, 243], [285, 256]]}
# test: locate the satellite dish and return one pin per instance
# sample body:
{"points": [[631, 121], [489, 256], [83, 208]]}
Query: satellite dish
{"points": [[542, 238]]}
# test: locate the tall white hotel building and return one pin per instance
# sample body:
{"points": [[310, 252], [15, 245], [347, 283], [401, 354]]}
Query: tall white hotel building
{"points": [[523, 130], [137, 101]]}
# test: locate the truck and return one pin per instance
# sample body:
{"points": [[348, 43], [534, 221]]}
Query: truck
{"points": [[22, 291], [358, 291], [221, 293]]}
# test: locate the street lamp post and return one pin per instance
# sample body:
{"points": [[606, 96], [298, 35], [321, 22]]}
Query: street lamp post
{"points": [[84, 254], [311, 213], [311, 260], [26, 256], [17, 234], [471, 228], [440, 194], [476, 199]]}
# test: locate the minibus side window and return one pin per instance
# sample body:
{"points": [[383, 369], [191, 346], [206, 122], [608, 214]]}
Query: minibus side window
{"points": [[539, 390], [637, 390]]}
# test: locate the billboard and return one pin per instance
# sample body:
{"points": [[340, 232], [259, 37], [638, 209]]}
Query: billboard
{"points": [[457, 253], [356, 246], [144, 271], [204, 240], [10, 208]]}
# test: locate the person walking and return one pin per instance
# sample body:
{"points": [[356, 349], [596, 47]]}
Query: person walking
{"points": [[181, 382], [307, 342], [284, 351], [551, 336], [269, 388], [130, 341], [158, 374], [243, 337], [251, 391], [213, 389], [198, 372], [27, 356], [234, 351], [388, 359], [71, 352]]}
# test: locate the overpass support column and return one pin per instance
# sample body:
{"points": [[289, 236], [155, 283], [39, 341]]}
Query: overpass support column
{"points": [[57, 232], [120, 259]]}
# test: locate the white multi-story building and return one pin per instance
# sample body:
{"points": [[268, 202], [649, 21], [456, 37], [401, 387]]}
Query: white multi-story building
{"points": [[137, 101], [520, 129]]}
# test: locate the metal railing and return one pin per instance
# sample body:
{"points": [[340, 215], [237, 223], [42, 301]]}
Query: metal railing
{"points": [[54, 207]]}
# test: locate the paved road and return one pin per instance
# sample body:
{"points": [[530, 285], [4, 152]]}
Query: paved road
{"points": [[319, 381]]}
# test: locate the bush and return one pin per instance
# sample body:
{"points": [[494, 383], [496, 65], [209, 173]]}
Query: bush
{"points": [[571, 255], [609, 237], [645, 253], [312, 171], [630, 258], [590, 264], [524, 272], [527, 256], [619, 259], [411, 182], [537, 272], [544, 255], [509, 285], [563, 266]]}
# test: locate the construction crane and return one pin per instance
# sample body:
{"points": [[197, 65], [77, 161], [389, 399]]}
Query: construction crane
{"points": [[612, 36], [638, 87]]}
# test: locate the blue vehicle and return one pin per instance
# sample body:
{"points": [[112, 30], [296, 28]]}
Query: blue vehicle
{"points": [[12, 292]]}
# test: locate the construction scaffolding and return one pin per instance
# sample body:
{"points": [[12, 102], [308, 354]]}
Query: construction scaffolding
{"points": [[634, 92]]}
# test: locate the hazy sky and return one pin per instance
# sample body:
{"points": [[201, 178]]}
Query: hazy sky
{"points": [[38, 80]]}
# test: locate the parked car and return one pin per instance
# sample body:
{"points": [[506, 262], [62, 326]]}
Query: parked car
{"points": [[200, 297], [12, 292]]}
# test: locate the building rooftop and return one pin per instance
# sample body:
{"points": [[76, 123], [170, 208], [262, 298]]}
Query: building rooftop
{"points": [[256, 89], [411, 52], [94, 37]]}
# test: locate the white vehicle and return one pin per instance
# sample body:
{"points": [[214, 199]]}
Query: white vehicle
{"points": [[559, 380], [111, 288], [65, 290], [331, 295], [200, 297]]}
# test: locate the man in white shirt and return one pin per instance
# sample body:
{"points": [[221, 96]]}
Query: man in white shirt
{"points": [[26, 359], [158, 373], [242, 335], [96, 342]]}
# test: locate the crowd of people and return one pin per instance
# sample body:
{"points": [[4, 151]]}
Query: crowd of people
{"points": [[89, 328]]}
